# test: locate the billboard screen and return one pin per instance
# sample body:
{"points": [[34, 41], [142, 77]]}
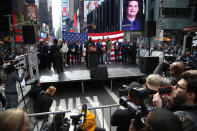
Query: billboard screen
{"points": [[133, 15]]}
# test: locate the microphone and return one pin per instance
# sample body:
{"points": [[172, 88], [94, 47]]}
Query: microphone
{"points": [[83, 114]]}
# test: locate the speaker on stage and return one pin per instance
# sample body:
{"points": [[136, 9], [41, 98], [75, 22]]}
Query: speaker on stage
{"points": [[29, 35], [92, 60], [150, 28], [99, 73], [148, 64]]}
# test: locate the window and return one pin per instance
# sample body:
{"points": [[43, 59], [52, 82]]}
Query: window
{"points": [[177, 12]]}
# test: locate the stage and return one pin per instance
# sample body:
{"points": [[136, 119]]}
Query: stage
{"points": [[80, 73]]}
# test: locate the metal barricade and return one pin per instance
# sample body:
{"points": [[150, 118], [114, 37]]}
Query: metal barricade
{"points": [[102, 114]]}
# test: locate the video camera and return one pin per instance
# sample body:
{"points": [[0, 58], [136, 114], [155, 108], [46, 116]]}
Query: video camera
{"points": [[140, 112], [140, 93], [77, 118]]}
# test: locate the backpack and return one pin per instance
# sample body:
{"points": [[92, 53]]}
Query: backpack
{"points": [[190, 116]]}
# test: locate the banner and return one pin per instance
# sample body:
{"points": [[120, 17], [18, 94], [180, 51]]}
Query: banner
{"points": [[31, 11]]}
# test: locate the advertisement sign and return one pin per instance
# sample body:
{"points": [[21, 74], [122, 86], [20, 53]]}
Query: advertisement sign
{"points": [[31, 11], [133, 15]]}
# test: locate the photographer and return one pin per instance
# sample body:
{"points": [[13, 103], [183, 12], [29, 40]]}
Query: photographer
{"points": [[176, 68], [183, 100], [122, 117], [10, 85], [160, 120]]}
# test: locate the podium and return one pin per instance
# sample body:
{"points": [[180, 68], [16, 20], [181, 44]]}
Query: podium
{"points": [[92, 57]]}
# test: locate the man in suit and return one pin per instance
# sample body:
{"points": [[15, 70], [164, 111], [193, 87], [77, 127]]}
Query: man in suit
{"points": [[117, 46]]}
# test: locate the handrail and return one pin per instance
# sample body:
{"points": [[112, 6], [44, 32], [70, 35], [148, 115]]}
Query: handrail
{"points": [[57, 112]]}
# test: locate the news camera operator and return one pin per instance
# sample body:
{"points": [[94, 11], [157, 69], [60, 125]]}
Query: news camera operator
{"points": [[175, 70], [182, 100], [122, 117], [10, 83]]}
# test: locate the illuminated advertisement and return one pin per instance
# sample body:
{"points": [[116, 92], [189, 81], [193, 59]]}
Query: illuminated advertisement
{"points": [[133, 15], [90, 6], [65, 9]]}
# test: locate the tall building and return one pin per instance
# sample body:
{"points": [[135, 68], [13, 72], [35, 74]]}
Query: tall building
{"points": [[12, 13], [171, 17], [71, 9], [43, 12], [50, 18], [81, 16]]}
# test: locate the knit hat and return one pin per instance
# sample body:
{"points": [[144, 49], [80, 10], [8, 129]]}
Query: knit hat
{"points": [[35, 82], [154, 82]]}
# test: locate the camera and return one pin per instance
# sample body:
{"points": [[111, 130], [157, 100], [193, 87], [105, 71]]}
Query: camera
{"points": [[77, 118], [123, 91], [165, 90], [140, 112]]}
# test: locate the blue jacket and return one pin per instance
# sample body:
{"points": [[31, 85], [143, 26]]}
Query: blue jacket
{"points": [[99, 47], [129, 25]]}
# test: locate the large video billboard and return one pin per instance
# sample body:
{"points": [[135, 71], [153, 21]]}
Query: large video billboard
{"points": [[133, 15]]}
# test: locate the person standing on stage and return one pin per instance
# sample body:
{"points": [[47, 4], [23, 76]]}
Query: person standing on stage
{"points": [[117, 46], [78, 51], [124, 51], [100, 51], [88, 43], [47, 55], [58, 64], [73, 53], [69, 52], [108, 49], [133, 47], [64, 52]]}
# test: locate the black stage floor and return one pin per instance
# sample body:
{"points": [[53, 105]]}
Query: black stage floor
{"points": [[81, 73]]}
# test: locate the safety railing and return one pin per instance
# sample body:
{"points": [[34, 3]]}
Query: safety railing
{"points": [[102, 114]]}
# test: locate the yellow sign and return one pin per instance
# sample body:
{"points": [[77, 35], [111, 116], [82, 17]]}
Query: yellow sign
{"points": [[5, 39]]}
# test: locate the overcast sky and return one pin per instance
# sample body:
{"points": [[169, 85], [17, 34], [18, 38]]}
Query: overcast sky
{"points": [[56, 12]]}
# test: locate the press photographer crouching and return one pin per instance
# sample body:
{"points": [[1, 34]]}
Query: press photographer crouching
{"points": [[10, 70], [134, 108]]}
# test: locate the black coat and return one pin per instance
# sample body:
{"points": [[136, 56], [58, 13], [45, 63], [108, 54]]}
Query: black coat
{"points": [[43, 102]]}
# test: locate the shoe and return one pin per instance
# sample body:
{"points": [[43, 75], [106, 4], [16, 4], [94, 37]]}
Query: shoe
{"points": [[105, 62], [109, 62]]}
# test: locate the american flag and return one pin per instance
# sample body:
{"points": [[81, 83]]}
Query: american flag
{"points": [[112, 35], [75, 36], [95, 36]]}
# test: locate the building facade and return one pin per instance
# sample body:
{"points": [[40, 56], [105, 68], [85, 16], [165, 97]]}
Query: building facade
{"points": [[171, 17]]}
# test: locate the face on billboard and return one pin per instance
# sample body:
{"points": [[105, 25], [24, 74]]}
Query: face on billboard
{"points": [[132, 8], [133, 15]]}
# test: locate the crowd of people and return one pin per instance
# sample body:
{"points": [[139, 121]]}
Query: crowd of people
{"points": [[174, 110], [66, 53]]}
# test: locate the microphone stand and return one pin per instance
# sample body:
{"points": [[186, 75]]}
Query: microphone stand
{"points": [[22, 93]]}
